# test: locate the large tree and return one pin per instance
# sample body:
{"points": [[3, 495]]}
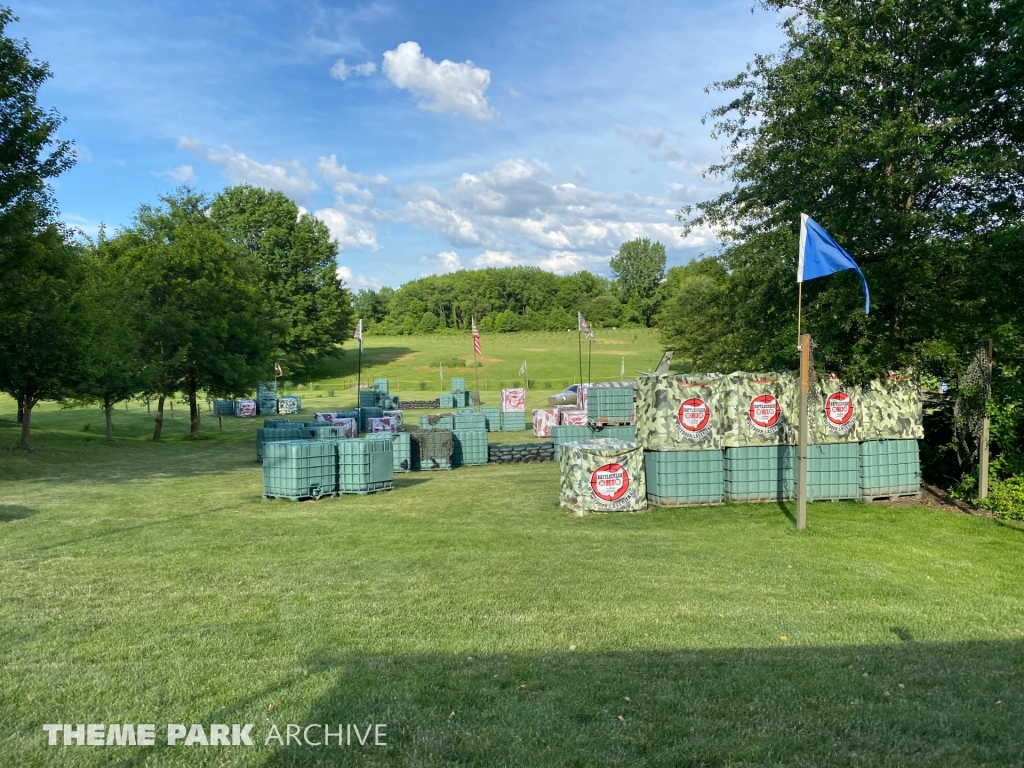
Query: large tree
{"points": [[639, 267], [299, 270], [207, 325], [898, 125]]}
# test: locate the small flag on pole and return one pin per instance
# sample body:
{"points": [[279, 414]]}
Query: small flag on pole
{"points": [[820, 255], [476, 339], [358, 335], [442, 371], [622, 368], [584, 327], [522, 368], [277, 369]]}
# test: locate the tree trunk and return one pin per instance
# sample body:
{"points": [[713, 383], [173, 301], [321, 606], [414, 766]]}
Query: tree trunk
{"points": [[21, 409], [107, 409], [193, 407], [158, 424], [26, 424]]}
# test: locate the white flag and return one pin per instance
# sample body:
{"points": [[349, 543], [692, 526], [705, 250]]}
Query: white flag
{"points": [[522, 369], [358, 335], [622, 370]]}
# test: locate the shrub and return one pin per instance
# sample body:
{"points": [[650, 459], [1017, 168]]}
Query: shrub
{"points": [[1006, 499]]}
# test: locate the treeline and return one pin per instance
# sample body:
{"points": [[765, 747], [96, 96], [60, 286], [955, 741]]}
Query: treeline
{"points": [[195, 295], [908, 147], [521, 298]]}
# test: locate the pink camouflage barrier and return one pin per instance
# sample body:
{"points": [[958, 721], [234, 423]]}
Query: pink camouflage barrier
{"points": [[350, 427], [513, 400], [543, 420], [245, 407], [383, 424], [573, 418]]}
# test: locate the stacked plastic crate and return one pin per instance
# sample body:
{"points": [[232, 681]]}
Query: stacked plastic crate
{"points": [[364, 466], [513, 410], [277, 433], [223, 407], [266, 397], [381, 386], [610, 406], [368, 412], [493, 415], [401, 449], [561, 434], [469, 447], [438, 421], [680, 422], [300, 469]]}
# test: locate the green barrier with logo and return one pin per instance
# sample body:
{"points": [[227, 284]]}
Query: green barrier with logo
{"points": [[603, 476], [680, 413], [762, 409]]}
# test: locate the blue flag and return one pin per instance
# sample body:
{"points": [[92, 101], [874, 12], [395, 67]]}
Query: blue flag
{"points": [[820, 255]]}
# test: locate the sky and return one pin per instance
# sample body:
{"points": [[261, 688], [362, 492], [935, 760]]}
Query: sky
{"points": [[428, 136]]}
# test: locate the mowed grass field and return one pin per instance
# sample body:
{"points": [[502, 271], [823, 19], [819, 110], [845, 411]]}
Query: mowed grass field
{"points": [[150, 583]]}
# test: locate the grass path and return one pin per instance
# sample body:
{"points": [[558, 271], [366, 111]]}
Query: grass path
{"points": [[151, 583]]}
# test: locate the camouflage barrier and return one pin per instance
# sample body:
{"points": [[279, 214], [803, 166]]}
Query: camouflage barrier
{"points": [[762, 409], [572, 418], [603, 476], [891, 410], [397, 416], [679, 413], [513, 400], [382, 424], [245, 407], [433, 449]]}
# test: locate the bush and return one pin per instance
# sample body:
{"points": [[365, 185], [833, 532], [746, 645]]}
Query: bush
{"points": [[1006, 499]]}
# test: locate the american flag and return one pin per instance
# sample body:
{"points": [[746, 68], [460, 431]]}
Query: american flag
{"points": [[476, 339], [358, 335], [584, 327]]}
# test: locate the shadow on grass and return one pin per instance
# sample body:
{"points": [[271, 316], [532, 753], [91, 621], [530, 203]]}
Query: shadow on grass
{"points": [[908, 704], [9, 512], [346, 364]]}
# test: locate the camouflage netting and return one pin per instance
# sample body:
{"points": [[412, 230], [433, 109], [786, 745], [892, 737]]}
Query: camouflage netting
{"points": [[763, 409], [678, 413], [435, 445], [603, 476]]}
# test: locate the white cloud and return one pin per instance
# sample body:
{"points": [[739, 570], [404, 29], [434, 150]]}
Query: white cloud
{"points": [[328, 168], [83, 153], [289, 178], [514, 93], [496, 259], [183, 174], [357, 281], [446, 87], [514, 215], [579, 175], [341, 70], [446, 261], [347, 229]]}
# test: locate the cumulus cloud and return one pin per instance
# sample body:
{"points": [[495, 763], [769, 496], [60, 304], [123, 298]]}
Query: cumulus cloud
{"points": [[515, 215], [183, 174], [446, 261], [338, 174], [441, 87], [350, 232], [289, 178], [341, 71], [514, 93], [357, 281]]}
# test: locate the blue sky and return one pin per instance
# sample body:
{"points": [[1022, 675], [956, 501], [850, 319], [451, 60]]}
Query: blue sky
{"points": [[428, 136]]}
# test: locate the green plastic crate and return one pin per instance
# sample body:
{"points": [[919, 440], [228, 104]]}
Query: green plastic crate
{"points": [[493, 415], [223, 407], [760, 473], [446, 400], [889, 468], [277, 434], [684, 478], [625, 434], [266, 389], [364, 465], [468, 411], [273, 423], [368, 413], [513, 422], [470, 421], [326, 432], [401, 449], [367, 398], [447, 421], [470, 447], [833, 472], [300, 469], [266, 406], [563, 433], [458, 384], [380, 385], [610, 405], [387, 402]]}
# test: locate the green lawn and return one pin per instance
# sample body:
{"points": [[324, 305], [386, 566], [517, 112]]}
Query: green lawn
{"points": [[150, 583]]}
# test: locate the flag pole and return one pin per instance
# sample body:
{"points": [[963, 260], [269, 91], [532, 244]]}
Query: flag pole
{"points": [[801, 457], [359, 373], [799, 310], [579, 344], [590, 355]]}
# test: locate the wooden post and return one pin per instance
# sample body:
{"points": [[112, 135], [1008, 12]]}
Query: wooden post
{"points": [[983, 446], [801, 451]]}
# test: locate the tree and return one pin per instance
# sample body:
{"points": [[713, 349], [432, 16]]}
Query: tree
{"points": [[299, 271], [639, 267], [112, 338], [695, 319], [41, 320], [207, 324], [896, 125]]}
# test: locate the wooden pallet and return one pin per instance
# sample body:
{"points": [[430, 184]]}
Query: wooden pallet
{"points": [[891, 496]]}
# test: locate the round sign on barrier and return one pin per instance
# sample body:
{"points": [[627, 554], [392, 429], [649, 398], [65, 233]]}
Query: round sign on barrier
{"points": [[839, 411], [610, 482], [694, 415], [764, 411]]}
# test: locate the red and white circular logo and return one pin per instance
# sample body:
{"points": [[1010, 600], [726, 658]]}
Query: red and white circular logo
{"points": [[610, 482], [765, 411], [694, 415], [839, 408]]}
